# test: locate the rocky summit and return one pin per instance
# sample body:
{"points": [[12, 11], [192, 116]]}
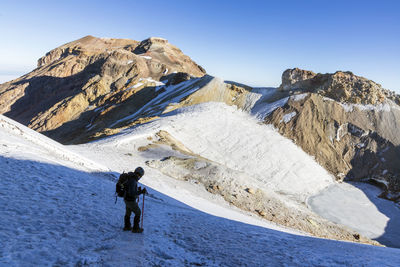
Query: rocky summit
{"points": [[79, 83]]}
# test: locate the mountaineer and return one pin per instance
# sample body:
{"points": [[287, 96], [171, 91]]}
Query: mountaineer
{"points": [[131, 195]]}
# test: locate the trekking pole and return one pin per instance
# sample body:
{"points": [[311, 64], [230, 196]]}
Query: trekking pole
{"points": [[142, 212]]}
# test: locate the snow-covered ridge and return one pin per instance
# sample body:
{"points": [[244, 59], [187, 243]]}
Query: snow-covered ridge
{"points": [[14, 128]]}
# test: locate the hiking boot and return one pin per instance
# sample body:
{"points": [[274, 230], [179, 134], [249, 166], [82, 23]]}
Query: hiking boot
{"points": [[137, 230], [127, 228], [127, 224]]}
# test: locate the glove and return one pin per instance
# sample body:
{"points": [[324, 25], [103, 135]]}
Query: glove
{"points": [[144, 191]]}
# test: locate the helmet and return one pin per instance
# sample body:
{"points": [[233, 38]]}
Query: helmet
{"points": [[139, 171]]}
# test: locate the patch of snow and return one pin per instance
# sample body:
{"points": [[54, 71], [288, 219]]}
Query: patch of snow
{"points": [[341, 131], [381, 181], [150, 79], [287, 117], [260, 112], [143, 81], [99, 109], [347, 107], [137, 85], [299, 97], [200, 165], [90, 107], [256, 99], [328, 99], [146, 57], [382, 107]]}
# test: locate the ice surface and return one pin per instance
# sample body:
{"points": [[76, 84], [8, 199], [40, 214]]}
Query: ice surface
{"points": [[287, 117]]}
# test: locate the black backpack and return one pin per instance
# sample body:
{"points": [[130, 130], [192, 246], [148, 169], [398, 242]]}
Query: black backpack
{"points": [[120, 186]]}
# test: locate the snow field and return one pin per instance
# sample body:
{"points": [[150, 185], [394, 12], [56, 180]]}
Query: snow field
{"points": [[236, 140], [58, 212]]}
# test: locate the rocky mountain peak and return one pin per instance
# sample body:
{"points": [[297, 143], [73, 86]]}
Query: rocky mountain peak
{"points": [[77, 81], [344, 87]]}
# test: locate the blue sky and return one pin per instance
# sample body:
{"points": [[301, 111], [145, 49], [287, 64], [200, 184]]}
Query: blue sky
{"points": [[246, 41]]}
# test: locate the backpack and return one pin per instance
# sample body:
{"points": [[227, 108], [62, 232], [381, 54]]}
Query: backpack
{"points": [[119, 187]]}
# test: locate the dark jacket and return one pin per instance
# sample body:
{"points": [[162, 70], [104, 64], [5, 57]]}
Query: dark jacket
{"points": [[131, 186]]}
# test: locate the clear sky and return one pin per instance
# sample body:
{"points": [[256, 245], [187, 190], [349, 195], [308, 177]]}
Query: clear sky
{"points": [[245, 41]]}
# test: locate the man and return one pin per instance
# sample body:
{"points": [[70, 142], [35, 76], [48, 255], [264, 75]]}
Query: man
{"points": [[131, 195]]}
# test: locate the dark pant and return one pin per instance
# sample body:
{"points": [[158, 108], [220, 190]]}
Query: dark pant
{"points": [[132, 206]]}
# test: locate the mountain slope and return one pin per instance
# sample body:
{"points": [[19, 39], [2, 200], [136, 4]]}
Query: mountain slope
{"points": [[61, 213]]}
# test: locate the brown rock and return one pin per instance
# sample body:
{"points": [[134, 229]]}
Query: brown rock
{"points": [[250, 191]]}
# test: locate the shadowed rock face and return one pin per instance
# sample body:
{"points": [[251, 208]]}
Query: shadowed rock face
{"points": [[81, 81], [348, 123]]}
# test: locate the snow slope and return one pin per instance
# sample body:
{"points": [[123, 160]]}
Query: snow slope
{"points": [[234, 139], [58, 209]]}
